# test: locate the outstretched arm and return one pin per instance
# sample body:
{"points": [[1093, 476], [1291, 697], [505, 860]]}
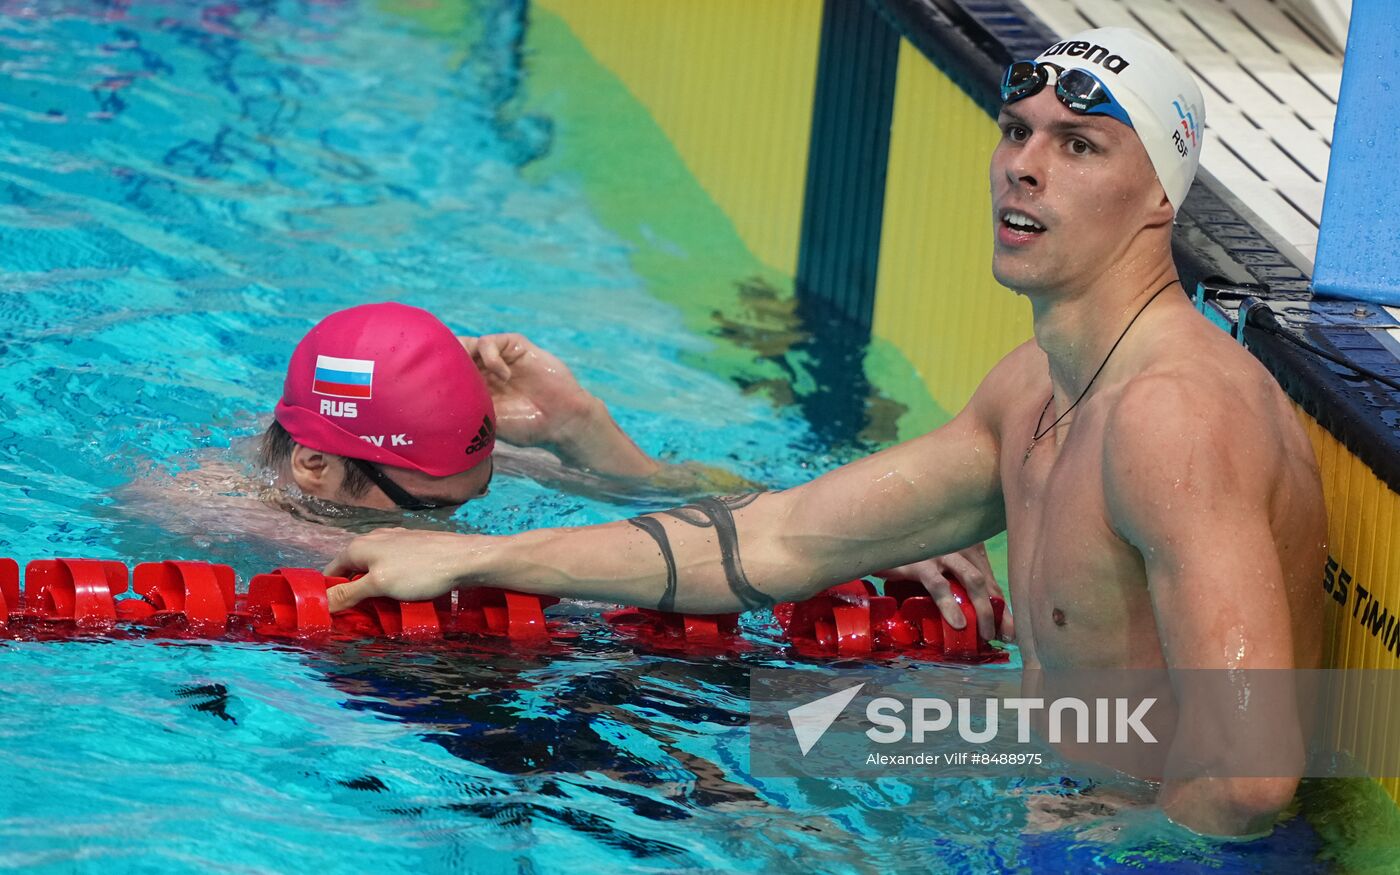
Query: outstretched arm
{"points": [[929, 496], [1199, 515]]}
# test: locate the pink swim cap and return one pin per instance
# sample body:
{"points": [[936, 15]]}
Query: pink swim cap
{"points": [[388, 383]]}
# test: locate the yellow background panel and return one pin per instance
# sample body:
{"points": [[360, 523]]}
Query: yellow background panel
{"points": [[1364, 538], [731, 83], [935, 297]]}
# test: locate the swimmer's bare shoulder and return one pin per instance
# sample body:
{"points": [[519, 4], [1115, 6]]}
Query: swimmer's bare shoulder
{"points": [[1196, 371], [1208, 473], [220, 496], [1021, 379]]}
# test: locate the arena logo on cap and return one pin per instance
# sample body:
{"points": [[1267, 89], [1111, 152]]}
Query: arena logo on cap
{"points": [[1091, 53], [343, 378]]}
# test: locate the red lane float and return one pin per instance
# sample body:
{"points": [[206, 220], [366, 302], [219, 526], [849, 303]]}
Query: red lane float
{"points": [[201, 599], [196, 594], [9, 590], [78, 591], [852, 619], [290, 603], [502, 613], [375, 617], [667, 631]]}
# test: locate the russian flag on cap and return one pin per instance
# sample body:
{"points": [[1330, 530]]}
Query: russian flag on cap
{"points": [[343, 378]]}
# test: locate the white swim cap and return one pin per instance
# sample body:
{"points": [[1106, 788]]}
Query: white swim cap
{"points": [[1159, 94]]}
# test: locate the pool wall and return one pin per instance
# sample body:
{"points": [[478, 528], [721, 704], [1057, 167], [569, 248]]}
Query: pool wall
{"points": [[788, 112], [730, 82]]}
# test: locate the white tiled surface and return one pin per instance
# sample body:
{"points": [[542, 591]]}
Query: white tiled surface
{"points": [[1271, 97]]}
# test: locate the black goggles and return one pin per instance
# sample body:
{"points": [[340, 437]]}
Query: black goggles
{"points": [[1079, 90], [405, 499]]}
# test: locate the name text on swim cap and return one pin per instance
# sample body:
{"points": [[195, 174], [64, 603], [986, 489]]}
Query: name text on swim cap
{"points": [[395, 440]]}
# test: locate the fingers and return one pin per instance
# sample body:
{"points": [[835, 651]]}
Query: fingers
{"points": [[942, 593], [978, 557], [929, 572], [903, 572], [514, 347], [354, 558], [347, 595], [1008, 625], [344, 564], [489, 357], [973, 570], [975, 582]]}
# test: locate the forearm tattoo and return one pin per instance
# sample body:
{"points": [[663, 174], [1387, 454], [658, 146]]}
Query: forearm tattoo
{"points": [[653, 527], [708, 513]]}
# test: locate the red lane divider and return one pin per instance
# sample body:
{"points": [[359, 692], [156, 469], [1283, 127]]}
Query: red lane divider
{"points": [[852, 619], [79, 591], [678, 631], [380, 616], [197, 592], [9, 590], [201, 599], [501, 613], [290, 603]]}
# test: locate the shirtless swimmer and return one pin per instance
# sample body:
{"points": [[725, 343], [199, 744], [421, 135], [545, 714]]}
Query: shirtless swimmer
{"points": [[1139, 459]]}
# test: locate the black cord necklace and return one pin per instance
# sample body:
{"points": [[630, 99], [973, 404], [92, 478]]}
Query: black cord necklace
{"points": [[1038, 432]]}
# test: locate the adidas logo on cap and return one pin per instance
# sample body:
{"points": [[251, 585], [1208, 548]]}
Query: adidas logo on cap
{"points": [[483, 437]]}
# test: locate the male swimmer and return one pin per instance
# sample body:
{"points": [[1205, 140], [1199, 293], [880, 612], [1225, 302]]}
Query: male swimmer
{"points": [[1162, 503], [384, 408]]}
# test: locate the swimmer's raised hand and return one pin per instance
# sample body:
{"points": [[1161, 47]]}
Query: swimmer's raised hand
{"points": [[538, 400], [539, 403], [403, 564], [972, 569]]}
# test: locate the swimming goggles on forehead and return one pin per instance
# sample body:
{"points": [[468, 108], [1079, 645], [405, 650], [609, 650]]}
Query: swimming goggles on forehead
{"points": [[1079, 90]]}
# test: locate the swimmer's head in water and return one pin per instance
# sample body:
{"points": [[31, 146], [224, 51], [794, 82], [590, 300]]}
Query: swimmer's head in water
{"points": [[1121, 74], [389, 390], [1101, 136]]}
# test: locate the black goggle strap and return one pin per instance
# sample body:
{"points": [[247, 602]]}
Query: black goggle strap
{"points": [[397, 494], [490, 475]]}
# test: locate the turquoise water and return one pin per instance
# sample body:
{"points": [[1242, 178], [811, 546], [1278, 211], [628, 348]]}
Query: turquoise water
{"points": [[186, 188]]}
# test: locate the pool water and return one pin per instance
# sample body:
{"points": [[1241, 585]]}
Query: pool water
{"points": [[185, 188]]}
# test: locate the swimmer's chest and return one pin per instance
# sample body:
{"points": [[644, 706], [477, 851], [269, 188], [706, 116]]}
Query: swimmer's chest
{"points": [[1081, 587]]}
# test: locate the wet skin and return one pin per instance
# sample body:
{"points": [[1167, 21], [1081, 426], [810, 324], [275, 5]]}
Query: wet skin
{"points": [[1174, 517], [1076, 572], [1070, 552]]}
